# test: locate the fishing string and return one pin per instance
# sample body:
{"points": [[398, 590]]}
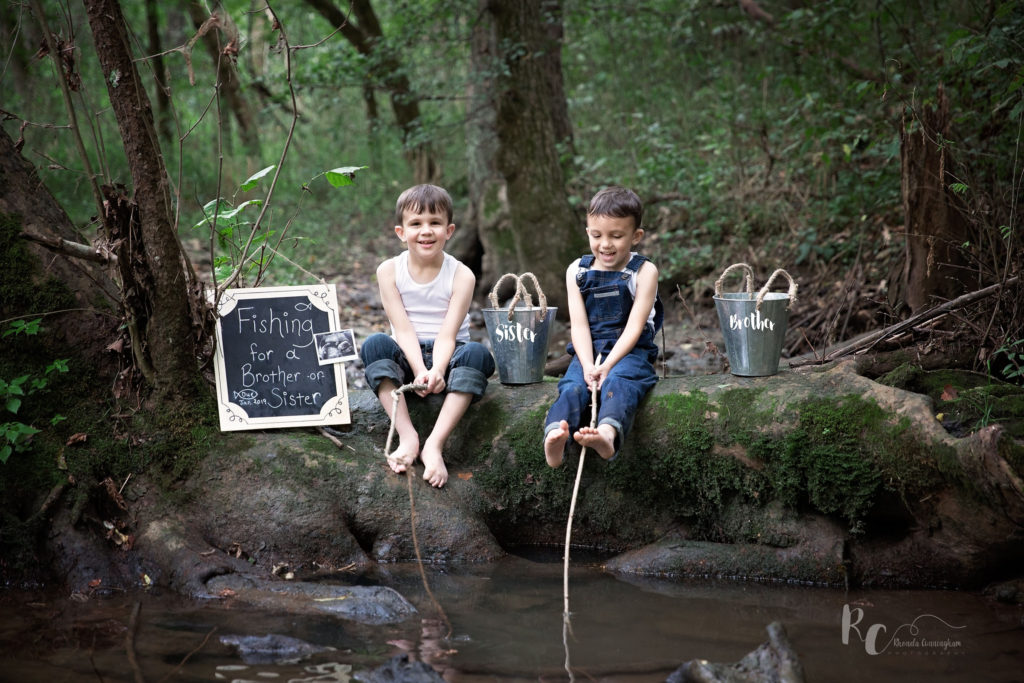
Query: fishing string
{"points": [[396, 395]]}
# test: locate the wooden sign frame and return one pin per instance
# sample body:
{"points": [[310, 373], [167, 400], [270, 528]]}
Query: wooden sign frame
{"points": [[273, 381]]}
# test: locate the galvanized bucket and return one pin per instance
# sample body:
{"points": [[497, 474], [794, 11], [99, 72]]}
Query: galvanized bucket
{"points": [[754, 327], [519, 334]]}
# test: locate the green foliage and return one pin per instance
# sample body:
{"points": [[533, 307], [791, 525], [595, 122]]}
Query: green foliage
{"points": [[16, 436], [250, 246], [1013, 354], [783, 141]]}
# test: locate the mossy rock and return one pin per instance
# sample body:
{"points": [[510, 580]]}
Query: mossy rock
{"points": [[964, 401]]}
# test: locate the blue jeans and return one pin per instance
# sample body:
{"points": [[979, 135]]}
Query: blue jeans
{"points": [[470, 366], [623, 389]]}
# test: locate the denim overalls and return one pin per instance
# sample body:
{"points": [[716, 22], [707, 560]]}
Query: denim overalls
{"points": [[609, 302]]}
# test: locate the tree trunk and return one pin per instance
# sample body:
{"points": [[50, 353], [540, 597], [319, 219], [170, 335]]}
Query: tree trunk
{"points": [[162, 315], [488, 197], [934, 268], [165, 118], [23, 195], [542, 233]]}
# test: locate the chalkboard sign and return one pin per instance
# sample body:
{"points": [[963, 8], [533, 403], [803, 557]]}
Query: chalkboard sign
{"points": [[267, 370]]}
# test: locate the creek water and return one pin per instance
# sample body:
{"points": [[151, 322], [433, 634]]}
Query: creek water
{"points": [[506, 625]]}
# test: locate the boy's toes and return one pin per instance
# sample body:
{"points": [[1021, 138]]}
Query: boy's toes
{"points": [[436, 478]]}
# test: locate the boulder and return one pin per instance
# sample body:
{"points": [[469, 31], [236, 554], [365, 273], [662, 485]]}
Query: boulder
{"points": [[817, 475]]}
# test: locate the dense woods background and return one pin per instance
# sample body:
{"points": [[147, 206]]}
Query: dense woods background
{"points": [[871, 148]]}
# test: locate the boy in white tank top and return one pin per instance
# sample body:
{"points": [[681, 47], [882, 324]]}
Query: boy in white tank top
{"points": [[426, 295]]}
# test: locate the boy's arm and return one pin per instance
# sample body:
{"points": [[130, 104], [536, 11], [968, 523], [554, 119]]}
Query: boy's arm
{"points": [[579, 324], [444, 346], [646, 292], [404, 333]]}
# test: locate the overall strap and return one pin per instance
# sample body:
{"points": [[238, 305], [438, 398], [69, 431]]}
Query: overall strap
{"points": [[635, 263], [585, 263]]}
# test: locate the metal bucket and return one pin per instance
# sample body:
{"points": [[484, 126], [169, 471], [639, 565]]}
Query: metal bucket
{"points": [[754, 327], [520, 345], [519, 334]]}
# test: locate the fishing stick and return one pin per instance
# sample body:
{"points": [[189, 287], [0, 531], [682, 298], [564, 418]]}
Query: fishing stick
{"points": [[566, 625]]}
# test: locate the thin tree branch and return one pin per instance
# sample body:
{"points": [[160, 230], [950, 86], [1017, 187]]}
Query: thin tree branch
{"points": [[69, 248], [870, 340]]}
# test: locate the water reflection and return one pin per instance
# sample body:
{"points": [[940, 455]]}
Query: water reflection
{"points": [[507, 624]]}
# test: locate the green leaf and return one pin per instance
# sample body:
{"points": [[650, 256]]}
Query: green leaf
{"points": [[228, 215], [223, 271], [343, 175], [29, 327], [211, 210], [254, 179], [58, 365], [13, 404]]}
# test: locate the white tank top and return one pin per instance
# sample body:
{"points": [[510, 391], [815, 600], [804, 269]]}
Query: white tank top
{"points": [[427, 304]]}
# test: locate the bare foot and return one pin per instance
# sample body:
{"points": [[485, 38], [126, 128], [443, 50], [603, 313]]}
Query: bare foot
{"points": [[434, 471], [404, 456], [602, 439], [554, 444]]}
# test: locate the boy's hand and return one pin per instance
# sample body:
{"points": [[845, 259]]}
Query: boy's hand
{"points": [[596, 375], [434, 381]]}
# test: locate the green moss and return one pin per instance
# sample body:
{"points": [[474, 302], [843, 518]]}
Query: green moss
{"points": [[966, 400], [675, 467], [993, 403], [23, 290], [1013, 453], [902, 377], [476, 431], [841, 455], [524, 489]]}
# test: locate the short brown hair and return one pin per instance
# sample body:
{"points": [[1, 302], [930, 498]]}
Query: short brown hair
{"points": [[617, 202], [420, 198]]}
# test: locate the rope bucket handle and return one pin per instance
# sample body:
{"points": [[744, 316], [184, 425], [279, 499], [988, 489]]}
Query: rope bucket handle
{"points": [[520, 293], [748, 278], [767, 285], [493, 296]]}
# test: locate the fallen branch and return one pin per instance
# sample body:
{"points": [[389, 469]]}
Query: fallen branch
{"points": [[869, 341], [51, 498], [69, 248]]}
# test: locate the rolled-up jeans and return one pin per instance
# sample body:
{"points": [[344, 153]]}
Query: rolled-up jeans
{"points": [[621, 393], [470, 365]]}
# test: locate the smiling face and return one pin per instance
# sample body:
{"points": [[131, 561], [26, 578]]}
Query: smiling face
{"points": [[424, 232], [611, 240]]}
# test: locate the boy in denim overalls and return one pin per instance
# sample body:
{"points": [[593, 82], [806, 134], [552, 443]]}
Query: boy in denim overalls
{"points": [[614, 312]]}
